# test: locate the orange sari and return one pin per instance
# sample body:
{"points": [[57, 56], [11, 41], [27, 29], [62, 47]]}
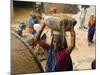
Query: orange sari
{"points": [[91, 21]]}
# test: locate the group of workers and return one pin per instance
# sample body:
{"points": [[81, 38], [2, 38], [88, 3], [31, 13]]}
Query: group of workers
{"points": [[58, 53]]}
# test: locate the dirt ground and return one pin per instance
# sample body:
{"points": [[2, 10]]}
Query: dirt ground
{"points": [[82, 55]]}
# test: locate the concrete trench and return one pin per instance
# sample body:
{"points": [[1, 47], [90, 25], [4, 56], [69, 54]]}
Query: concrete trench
{"points": [[23, 60]]}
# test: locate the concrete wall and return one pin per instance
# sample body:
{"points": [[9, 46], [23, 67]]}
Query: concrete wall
{"points": [[61, 8]]}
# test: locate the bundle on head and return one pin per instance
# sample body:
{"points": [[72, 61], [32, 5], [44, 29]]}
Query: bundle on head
{"points": [[67, 24], [56, 23]]}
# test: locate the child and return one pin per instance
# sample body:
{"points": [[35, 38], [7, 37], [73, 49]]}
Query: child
{"points": [[20, 28]]}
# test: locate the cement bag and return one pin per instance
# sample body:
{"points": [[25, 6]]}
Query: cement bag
{"points": [[57, 23]]}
